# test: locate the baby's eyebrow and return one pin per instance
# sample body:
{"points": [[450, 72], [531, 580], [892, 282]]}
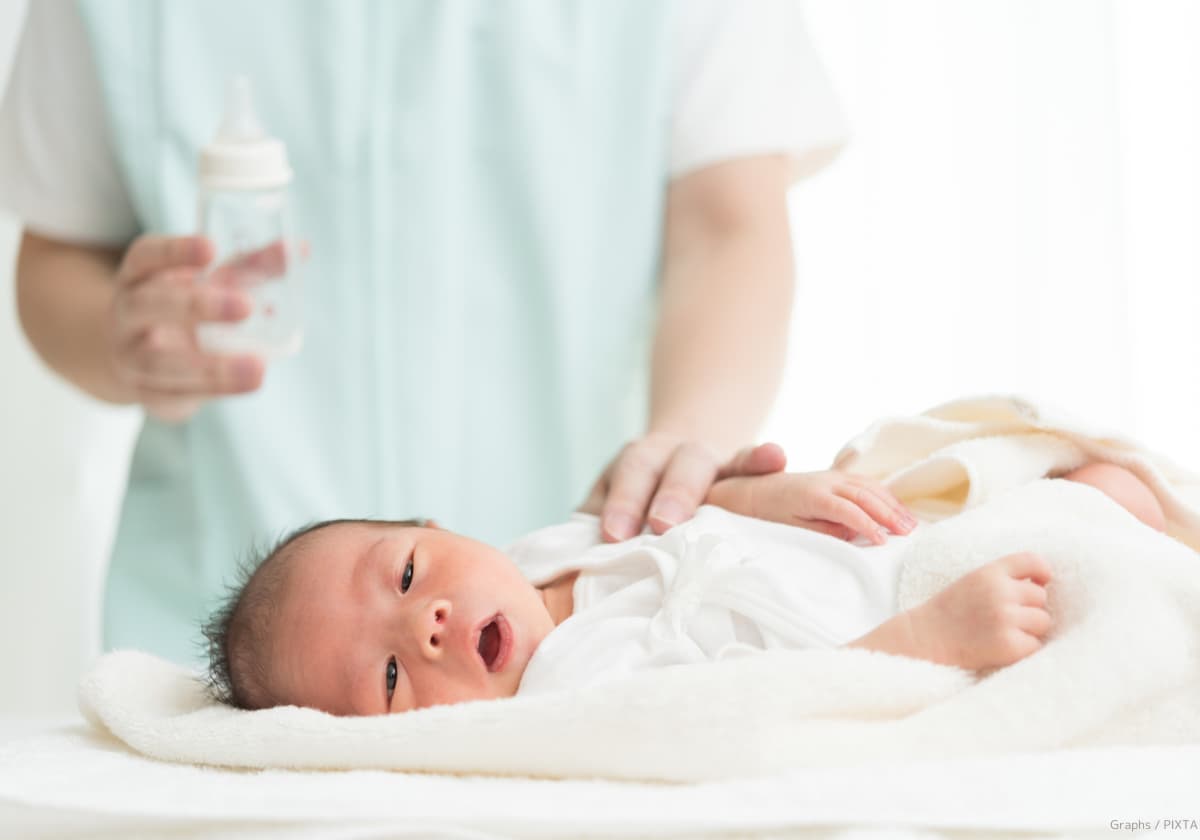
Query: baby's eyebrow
{"points": [[363, 563]]}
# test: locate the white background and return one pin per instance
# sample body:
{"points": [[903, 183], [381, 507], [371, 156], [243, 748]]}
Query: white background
{"points": [[1018, 211]]}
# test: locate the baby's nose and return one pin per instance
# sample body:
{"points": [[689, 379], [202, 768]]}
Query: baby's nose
{"points": [[432, 628]]}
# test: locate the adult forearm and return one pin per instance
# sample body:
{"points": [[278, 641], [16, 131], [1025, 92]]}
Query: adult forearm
{"points": [[64, 293], [721, 340]]}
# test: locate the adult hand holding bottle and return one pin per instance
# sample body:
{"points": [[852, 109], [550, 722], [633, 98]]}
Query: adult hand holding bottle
{"points": [[152, 324], [122, 324], [158, 301]]}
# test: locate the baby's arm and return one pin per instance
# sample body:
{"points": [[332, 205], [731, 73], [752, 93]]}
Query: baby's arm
{"points": [[845, 505], [832, 502], [992, 617]]}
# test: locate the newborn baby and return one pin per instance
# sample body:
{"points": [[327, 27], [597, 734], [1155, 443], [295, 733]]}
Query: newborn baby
{"points": [[363, 617]]}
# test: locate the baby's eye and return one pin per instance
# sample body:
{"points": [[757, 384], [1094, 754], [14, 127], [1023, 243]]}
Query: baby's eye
{"points": [[406, 578], [391, 677]]}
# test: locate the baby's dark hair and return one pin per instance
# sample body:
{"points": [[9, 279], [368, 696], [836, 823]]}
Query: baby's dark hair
{"points": [[239, 631]]}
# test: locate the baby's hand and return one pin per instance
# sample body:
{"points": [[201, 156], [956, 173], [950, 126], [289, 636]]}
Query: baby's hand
{"points": [[992, 617], [831, 502]]}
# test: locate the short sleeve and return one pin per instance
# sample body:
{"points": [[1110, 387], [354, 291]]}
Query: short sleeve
{"points": [[58, 172], [746, 81]]}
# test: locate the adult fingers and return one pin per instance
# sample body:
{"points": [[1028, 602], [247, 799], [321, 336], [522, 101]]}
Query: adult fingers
{"points": [[159, 370], [172, 296], [258, 266], [876, 508], [171, 409], [151, 253], [634, 478], [685, 481], [754, 460]]}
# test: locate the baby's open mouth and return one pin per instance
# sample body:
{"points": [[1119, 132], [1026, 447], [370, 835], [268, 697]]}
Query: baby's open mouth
{"points": [[494, 643]]}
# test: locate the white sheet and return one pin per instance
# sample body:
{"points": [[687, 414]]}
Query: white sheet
{"points": [[76, 782]]}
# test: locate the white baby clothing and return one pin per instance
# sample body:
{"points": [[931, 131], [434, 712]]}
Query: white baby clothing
{"points": [[719, 585]]}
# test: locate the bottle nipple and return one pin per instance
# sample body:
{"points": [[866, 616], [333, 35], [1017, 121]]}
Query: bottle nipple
{"points": [[239, 124], [242, 155]]}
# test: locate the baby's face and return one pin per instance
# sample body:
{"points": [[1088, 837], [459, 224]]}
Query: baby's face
{"points": [[380, 618]]}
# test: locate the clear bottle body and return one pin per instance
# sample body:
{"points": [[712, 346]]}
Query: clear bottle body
{"points": [[255, 251]]}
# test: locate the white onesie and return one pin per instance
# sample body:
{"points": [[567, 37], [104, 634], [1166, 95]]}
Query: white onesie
{"points": [[720, 585]]}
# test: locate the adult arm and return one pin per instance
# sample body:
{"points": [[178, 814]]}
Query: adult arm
{"points": [[719, 345], [726, 301], [111, 317], [64, 294], [121, 326]]}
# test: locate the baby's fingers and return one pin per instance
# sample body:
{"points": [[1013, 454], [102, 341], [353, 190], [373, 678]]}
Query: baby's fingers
{"points": [[823, 526], [1022, 644], [875, 507], [1035, 621], [882, 491], [853, 516], [1031, 594], [1026, 564]]}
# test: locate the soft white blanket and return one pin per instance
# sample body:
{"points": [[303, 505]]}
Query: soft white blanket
{"points": [[1123, 666]]}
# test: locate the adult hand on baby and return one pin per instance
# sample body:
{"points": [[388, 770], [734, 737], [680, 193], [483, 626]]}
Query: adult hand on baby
{"points": [[156, 306], [992, 617], [832, 502], [662, 479]]}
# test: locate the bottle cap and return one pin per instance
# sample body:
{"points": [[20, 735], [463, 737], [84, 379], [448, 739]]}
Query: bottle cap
{"points": [[242, 156]]}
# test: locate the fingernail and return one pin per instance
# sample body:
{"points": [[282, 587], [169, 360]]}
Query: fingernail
{"points": [[880, 536], [231, 307], [619, 526], [245, 372], [668, 512], [201, 250]]}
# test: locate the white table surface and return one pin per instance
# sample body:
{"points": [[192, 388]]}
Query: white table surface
{"points": [[12, 727]]}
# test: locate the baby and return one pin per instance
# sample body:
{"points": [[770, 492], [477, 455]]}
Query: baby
{"points": [[359, 617]]}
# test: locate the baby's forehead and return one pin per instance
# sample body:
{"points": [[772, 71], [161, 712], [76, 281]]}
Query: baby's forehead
{"points": [[330, 539], [346, 529], [342, 540], [316, 563]]}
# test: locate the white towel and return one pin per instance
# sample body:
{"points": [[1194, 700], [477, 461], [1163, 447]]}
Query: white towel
{"points": [[960, 453], [1122, 667]]}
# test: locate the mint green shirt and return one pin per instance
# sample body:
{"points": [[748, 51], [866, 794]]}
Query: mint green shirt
{"points": [[481, 185]]}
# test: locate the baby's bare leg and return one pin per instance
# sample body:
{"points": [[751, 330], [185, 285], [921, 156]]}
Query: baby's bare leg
{"points": [[1124, 488]]}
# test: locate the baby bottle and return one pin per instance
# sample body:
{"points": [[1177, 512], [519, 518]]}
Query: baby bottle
{"points": [[244, 175]]}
